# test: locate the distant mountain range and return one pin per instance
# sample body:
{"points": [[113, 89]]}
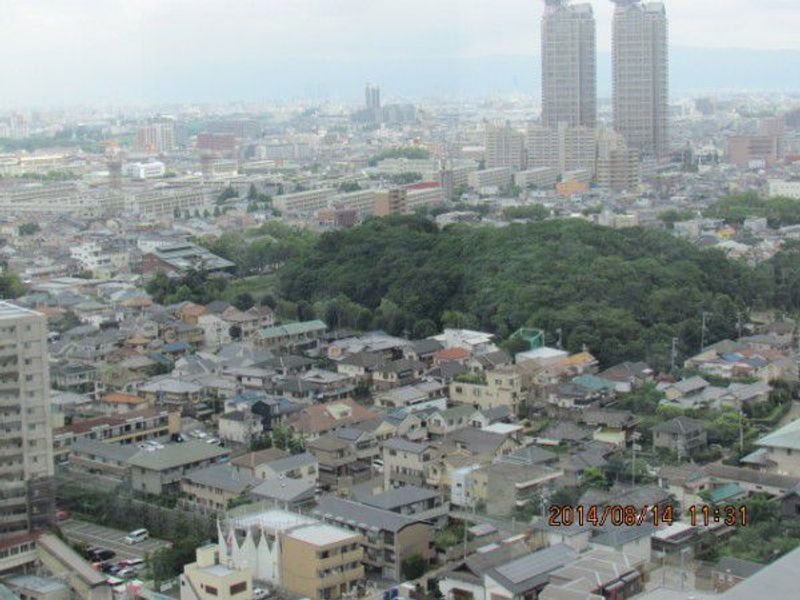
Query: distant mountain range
{"points": [[692, 70]]}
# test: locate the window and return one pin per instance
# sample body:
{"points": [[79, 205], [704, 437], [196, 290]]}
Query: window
{"points": [[238, 588], [210, 590]]}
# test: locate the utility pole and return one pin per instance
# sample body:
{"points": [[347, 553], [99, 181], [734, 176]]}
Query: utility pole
{"points": [[560, 340], [673, 353], [703, 331], [634, 446], [739, 324]]}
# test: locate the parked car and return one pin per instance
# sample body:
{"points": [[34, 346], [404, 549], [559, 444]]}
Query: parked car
{"points": [[131, 562], [139, 535], [62, 515], [101, 554], [260, 594], [213, 441]]}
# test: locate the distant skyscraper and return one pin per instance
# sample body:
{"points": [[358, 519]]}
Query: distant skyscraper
{"points": [[569, 65], [505, 147], [155, 137], [640, 76], [372, 96], [26, 445]]}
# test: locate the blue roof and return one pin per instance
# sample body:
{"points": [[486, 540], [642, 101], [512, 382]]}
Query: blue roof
{"points": [[593, 382]]}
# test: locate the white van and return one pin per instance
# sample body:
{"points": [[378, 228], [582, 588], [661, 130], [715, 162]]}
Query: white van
{"points": [[134, 537]]}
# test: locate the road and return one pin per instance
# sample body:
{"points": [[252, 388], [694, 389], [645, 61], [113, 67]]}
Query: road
{"points": [[111, 539]]}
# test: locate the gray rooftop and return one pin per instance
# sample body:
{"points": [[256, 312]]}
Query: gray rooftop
{"points": [[397, 497], [360, 515], [530, 571], [224, 477], [176, 455]]}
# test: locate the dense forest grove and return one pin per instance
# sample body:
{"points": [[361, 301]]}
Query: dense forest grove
{"points": [[624, 294]]}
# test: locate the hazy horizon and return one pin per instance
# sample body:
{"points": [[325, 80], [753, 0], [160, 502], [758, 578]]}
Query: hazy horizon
{"points": [[97, 51]]}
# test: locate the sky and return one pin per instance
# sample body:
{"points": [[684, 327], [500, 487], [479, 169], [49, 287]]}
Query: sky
{"points": [[68, 50]]}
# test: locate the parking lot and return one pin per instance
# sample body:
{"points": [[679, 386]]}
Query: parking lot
{"points": [[111, 539]]}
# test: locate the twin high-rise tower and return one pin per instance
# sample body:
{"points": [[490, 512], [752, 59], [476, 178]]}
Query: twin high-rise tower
{"points": [[640, 71]]}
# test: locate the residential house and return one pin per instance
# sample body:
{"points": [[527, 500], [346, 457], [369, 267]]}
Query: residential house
{"points": [[682, 435], [396, 373], [414, 395], [213, 488], [132, 427], [160, 471], [292, 336], [337, 460], [239, 427], [313, 421], [388, 538], [503, 487], [779, 452], [500, 387], [421, 503], [408, 463]]}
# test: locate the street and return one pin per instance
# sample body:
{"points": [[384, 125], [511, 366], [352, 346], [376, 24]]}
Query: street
{"points": [[107, 538]]}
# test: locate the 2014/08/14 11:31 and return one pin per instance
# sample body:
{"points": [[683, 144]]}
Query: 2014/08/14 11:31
{"points": [[731, 515]]}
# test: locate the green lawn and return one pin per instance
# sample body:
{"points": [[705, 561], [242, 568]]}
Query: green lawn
{"points": [[258, 286]]}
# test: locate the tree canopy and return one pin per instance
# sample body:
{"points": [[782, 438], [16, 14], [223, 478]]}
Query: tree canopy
{"points": [[778, 211], [623, 293]]}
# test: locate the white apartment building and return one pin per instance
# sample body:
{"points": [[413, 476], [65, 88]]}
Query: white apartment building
{"points": [[306, 202], [147, 170], [92, 256], [787, 189], [26, 446], [162, 203], [499, 177], [540, 177], [361, 201]]}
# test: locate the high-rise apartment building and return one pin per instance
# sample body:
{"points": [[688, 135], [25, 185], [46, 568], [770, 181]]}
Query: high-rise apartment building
{"points": [[155, 137], [372, 97], [617, 164], [569, 65], [564, 148], [26, 447], [505, 147], [641, 76]]}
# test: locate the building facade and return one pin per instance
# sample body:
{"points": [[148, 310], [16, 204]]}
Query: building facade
{"points": [[641, 76], [569, 65], [26, 447]]}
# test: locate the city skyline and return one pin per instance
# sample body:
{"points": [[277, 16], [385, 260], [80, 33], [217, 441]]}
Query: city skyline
{"points": [[167, 51]]}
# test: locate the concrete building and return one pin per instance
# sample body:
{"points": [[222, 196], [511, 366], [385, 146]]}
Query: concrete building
{"points": [[641, 76], [161, 471], [499, 177], [306, 202], [322, 562], [155, 138], [372, 97], [391, 202], [753, 151], [539, 177], [617, 164], [564, 147], [505, 147], [387, 537], [784, 188], [309, 558], [144, 170], [26, 447], [208, 579], [569, 65]]}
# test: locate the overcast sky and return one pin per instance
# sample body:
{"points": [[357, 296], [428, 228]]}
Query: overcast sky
{"points": [[56, 49]]}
